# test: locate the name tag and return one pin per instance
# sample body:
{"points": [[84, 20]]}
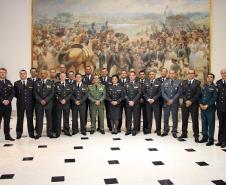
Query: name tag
{"points": [[156, 85], [48, 86]]}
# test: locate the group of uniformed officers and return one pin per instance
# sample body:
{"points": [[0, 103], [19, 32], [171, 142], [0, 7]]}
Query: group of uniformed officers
{"points": [[138, 96]]}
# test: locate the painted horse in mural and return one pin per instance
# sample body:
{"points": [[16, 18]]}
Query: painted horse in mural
{"points": [[79, 54]]}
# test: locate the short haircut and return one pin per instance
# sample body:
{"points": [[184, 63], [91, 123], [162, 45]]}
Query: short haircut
{"points": [[3, 69], [211, 75], [141, 71], [153, 70], [23, 70], [78, 74], [71, 72], [33, 68], [116, 76], [132, 72], [165, 69]]}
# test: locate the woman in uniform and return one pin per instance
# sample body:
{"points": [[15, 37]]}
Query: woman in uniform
{"points": [[115, 95]]}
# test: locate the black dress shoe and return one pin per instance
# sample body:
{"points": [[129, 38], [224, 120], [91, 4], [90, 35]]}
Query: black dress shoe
{"points": [[219, 144], [203, 140], [210, 143], [18, 137], [119, 131], [102, 131], [98, 129], [83, 133], [159, 133], [92, 132], [134, 133], [196, 139], [52, 136], [67, 134], [156, 131], [183, 136], [127, 133], [223, 145], [37, 137], [164, 134], [9, 138], [32, 136], [174, 135], [74, 132]]}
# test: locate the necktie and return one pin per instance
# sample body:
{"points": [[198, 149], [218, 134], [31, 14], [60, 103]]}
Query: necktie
{"points": [[78, 85], [171, 82], [224, 83], [43, 82], [189, 83], [163, 79], [33, 79], [151, 83], [23, 83], [96, 87]]}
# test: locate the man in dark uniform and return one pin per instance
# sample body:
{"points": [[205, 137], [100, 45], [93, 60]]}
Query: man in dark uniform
{"points": [[190, 93], [88, 80], [221, 109], [106, 80], [208, 108], [78, 99], [34, 74], [63, 95], [171, 91], [164, 73], [6, 96], [44, 93], [122, 82], [142, 111], [62, 69], [132, 96], [25, 103], [54, 113], [152, 92]]}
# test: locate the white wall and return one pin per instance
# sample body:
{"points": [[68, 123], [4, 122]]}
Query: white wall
{"points": [[218, 56], [15, 36]]}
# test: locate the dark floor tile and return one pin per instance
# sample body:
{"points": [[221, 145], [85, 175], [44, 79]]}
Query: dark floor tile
{"points": [[190, 150], [78, 147], [28, 158], [202, 163], [84, 138], [157, 163], [113, 162], [7, 176], [69, 160], [152, 149], [116, 139], [115, 148], [165, 182], [7, 145], [111, 181], [181, 139], [42, 146], [219, 182], [57, 179], [149, 139]]}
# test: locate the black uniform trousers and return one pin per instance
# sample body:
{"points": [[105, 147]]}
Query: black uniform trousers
{"points": [[153, 108], [81, 111], [123, 106], [132, 112], [65, 109], [5, 113], [20, 121], [222, 127], [39, 111], [142, 111], [194, 111]]}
